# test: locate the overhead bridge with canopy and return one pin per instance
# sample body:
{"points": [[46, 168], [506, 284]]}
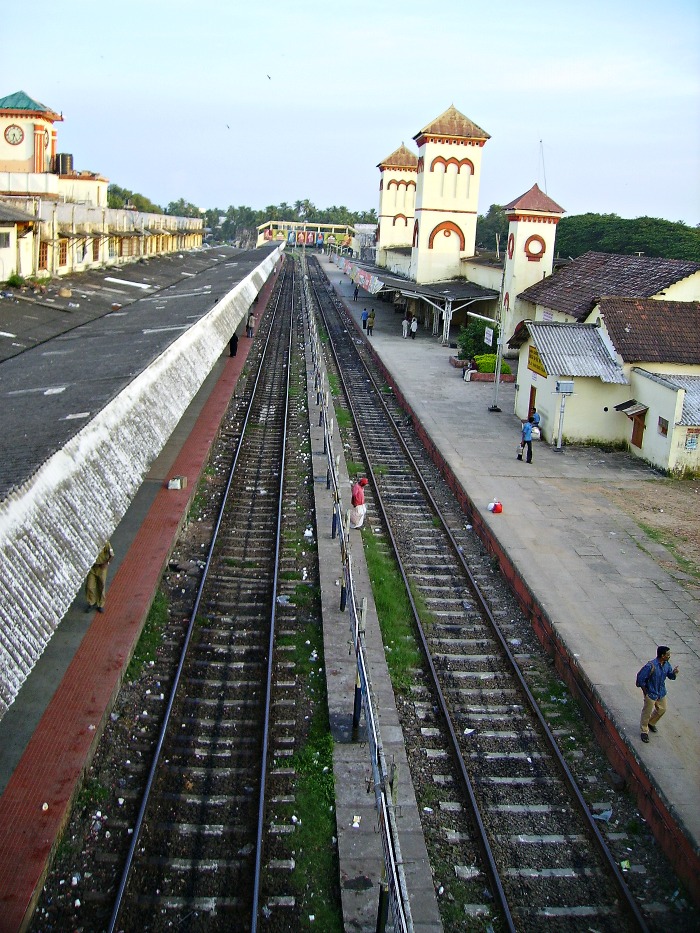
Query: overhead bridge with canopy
{"points": [[306, 234]]}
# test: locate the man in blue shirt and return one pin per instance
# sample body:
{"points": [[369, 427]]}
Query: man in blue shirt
{"points": [[527, 439], [652, 679]]}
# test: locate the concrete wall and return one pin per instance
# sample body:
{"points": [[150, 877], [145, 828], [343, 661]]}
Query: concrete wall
{"points": [[52, 527]]}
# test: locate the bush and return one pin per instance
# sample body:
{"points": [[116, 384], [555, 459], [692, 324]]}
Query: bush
{"points": [[486, 363], [470, 339], [15, 281]]}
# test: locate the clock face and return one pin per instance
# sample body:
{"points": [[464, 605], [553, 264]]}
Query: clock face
{"points": [[14, 134], [46, 138]]}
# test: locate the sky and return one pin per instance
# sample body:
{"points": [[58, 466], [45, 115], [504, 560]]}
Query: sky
{"points": [[225, 102]]}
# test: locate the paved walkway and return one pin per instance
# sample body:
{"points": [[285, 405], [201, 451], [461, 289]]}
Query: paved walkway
{"points": [[581, 566]]}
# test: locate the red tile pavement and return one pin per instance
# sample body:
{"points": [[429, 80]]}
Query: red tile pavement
{"points": [[37, 800]]}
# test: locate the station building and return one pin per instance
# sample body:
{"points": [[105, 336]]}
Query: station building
{"points": [[618, 335], [54, 220]]}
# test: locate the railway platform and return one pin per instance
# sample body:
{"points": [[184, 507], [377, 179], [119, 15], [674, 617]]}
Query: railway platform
{"points": [[582, 569]]}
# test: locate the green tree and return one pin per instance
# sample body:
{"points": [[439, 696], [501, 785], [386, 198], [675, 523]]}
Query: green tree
{"points": [[608, 233], [183, 208], [125, 199], [470, 339], [492, 224]]}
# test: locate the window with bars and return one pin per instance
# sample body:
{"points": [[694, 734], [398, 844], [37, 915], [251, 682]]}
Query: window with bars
{"points": [[4, 240], [43, 255], [63, 252]]}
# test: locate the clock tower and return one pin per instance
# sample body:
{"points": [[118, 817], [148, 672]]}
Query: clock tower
{"points": [[27, 135]]}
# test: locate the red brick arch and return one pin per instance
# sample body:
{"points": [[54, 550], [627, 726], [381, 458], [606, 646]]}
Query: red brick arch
{"points": [[460, 163], [401, 217], [447, 227], [415, 233]]}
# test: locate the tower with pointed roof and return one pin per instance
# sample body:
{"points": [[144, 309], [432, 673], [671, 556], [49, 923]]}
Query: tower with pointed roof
{"points": [[27, 134], [533, 219], [447, 194], [397, 199]]}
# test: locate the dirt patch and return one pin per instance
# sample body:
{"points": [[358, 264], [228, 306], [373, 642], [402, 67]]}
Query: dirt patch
{"points": [[668, 511]]}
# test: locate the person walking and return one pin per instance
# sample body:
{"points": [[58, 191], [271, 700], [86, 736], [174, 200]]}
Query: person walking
{"points": [[526, 439], [405, 324], [414, 327], [250, 325], [652, 680], [356, 293], [370, 323], [233, 345], [96, 583], [364, 316]]}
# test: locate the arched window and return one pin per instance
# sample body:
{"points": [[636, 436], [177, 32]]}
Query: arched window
{"points": [[415, 233], [446, 229]]}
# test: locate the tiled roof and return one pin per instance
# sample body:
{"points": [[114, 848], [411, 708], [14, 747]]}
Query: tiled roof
{"points": [[653, 331], [570, 350], [690, 416], [400, 158], [453, 123], [535, 200], [574, 288], [22, 101]]}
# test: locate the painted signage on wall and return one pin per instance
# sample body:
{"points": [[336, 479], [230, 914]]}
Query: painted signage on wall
{"points": [[534, 361]]}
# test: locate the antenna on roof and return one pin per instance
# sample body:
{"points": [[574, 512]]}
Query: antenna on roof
{"points": [[544, 172]]}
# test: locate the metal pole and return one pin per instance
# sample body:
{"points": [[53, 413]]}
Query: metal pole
{"points": [[558, 448], [497, 373]]}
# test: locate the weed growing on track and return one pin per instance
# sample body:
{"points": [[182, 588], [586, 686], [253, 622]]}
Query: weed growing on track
{"points": [[394, 612], [151, 637]]}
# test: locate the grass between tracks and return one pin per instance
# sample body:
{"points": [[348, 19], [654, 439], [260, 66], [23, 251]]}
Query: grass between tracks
{"points": [[393, 610], [151, 637], [313, 809]]}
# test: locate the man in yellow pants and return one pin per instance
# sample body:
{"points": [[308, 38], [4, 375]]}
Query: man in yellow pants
{"points": [[96, 583]]}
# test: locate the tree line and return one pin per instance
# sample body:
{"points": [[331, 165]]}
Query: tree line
{"points": [[605, 233], [239, 224]]}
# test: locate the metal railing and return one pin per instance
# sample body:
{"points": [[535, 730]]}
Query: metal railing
{"points": [[394, 881]]}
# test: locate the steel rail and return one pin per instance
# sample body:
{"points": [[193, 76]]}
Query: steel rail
{"points": [[271, 642], [188, 636], [629, 902]]}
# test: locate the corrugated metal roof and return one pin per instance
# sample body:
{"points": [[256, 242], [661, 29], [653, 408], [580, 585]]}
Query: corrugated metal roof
{"points": [[690, 416], [574, 350]]}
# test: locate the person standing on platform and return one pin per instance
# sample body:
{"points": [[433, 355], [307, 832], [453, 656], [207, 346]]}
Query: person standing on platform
{"points": [[405, 324], [96, 583], [370, 323], [233, 345], [527, 439], [250, 325], [414, 327], [652, 680], [365, 315], [356, 293]]}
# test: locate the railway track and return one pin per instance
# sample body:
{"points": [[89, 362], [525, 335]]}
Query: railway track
{"points": [[207, 818], [515, 816]]}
